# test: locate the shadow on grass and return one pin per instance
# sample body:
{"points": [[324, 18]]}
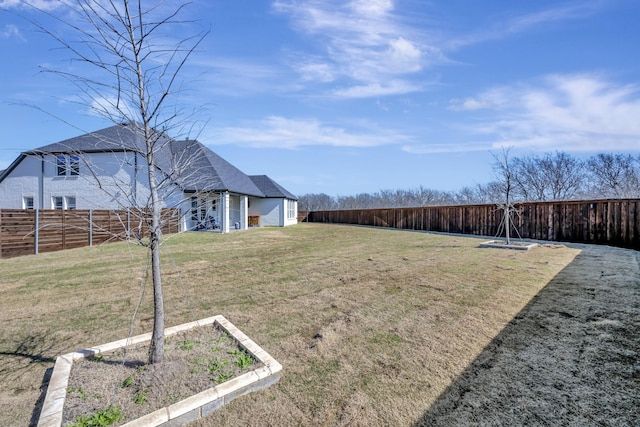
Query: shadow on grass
{"points": [[37, 409], [21, 360], [570, 357]]}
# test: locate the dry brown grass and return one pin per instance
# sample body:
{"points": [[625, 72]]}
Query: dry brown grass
{"points": [[370, 325]]}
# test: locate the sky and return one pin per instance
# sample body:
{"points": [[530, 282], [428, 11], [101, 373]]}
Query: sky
{"points": [[348, 97]]}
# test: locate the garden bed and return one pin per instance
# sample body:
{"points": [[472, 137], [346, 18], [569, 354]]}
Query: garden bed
{"points": [[207, 364]]}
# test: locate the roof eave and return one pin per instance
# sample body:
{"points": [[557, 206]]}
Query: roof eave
{"points": [[12, 166]]}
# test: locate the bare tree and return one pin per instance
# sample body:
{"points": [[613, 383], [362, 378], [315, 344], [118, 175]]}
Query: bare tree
{"points": [[505, 171], [316, 202], [133, 78], [556, 176], [429, 197], [614, 175], [566, 176]]}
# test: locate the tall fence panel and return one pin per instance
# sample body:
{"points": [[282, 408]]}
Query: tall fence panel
{"points": [[17, 235], [27, 232], [610, 222]]}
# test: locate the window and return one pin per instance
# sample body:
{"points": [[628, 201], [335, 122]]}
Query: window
{"points": [[63, 202], [61, 164], [67, 165], [194, 209], [74, 165], [291, 209], [57, 202], [27, 202], [70, 203]]}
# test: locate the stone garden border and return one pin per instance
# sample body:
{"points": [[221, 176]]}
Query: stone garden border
{"points": [[180, 413], [502, 244]]}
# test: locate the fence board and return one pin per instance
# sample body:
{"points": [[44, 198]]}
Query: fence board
{"points": [[66, 229], [611, 222]]}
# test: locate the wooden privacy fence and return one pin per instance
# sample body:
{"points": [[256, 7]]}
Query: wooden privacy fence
{"points": [[26, 232], [610, 222]]}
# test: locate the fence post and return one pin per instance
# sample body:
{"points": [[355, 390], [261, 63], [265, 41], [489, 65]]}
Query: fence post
{"points": [[90, 227], [37, 230]]}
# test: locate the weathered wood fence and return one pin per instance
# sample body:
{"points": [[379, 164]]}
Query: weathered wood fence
{"points": [[610, 222], [26, 232]]}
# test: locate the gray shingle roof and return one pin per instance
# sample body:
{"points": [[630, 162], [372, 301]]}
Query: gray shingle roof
{"points": [[207, 171], [270, 188], [117, 138], [198, 168]]}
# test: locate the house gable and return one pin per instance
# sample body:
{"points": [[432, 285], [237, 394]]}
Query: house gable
{"points": [[270, 188]]}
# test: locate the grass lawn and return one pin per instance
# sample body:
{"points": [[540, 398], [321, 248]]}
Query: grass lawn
{"points": [[370, 325]]}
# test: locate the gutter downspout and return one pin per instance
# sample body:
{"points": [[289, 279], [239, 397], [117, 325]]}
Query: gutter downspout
{"points": [[41, 182], [135, 179]]}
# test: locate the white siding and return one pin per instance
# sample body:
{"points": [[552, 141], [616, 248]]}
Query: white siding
{"points": [[119, 180], [115, 172], [269, 211], [22, 182]]}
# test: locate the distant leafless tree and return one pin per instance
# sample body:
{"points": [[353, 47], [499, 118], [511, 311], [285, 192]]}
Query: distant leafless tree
{"points": [[552, 176], [556, 176], [614, 175], [316, 202], [479, 194], [133, 76], [506, 175]]}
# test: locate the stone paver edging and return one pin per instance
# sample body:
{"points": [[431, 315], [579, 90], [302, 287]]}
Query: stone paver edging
{"points": [[180, 413], [502, 244]]}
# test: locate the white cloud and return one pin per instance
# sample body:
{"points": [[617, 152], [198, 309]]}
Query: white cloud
{"points": [[566, 112], [559, 13], [46, 5], [361, 42], [316, 71], [372, 7], [525, 22], [238, 77], [437, 148], [282, 132], [11, 31], [113, 108], [396, 87], [404, 56]]}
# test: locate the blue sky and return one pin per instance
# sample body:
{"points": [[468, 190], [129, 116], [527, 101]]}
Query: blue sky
{"points": [[346, 97]]}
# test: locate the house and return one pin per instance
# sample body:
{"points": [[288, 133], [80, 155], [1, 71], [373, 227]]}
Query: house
{"points": [[107, 169]]}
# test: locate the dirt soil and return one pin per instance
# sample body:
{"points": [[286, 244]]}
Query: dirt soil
{"points": [[571, 357], [194, 361]]}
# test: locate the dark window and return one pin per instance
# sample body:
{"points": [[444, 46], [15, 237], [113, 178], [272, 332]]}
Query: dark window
{"points": [[58, 202], [70, 203], [27, 202], [61, 163], [74, 165]]}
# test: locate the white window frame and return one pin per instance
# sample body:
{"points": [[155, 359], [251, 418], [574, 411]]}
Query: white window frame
{"points": [[28, 202], [70, 203], [61, 165], [67, 165], [57, 203], [74, 165], [291, 209]]}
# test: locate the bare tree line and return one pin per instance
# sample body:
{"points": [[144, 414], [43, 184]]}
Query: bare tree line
{"points": [[532, 178]]}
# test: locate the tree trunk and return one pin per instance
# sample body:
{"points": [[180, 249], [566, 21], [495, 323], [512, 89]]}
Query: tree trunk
{"points": [[156, 349], [507, 223]]}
